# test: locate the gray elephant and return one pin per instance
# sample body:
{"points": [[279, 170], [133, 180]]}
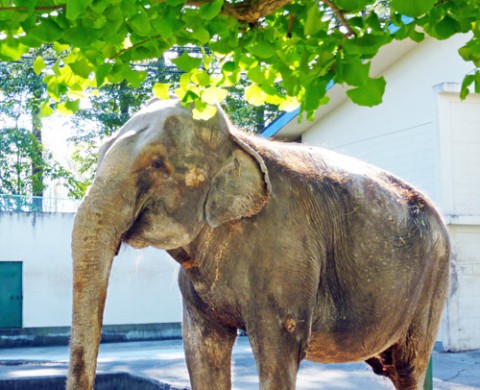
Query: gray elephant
{"points": [[316, 255]]}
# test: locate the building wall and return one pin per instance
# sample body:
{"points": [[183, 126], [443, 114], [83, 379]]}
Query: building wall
{"points": [[459, 131], [143, 284], [461, 330], [406, 119]]}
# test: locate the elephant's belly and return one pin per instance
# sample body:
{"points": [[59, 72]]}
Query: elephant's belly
{"points": [[342, 348]]}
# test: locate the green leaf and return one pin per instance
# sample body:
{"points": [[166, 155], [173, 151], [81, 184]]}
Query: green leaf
{"points": [[76, 7], [210, 10], [203, 111], [313, 21], [414, 35], [140, 24], [353, 5], [263, 49], [465, 52], [367, 45], [214, 95], [229, 67], [201, 35], [101, 73], [413, 8], [58, 47], [187, 63], [354, 72], [38, 65], [135, 78], [69, 107], [447, 27], [160, 90], [256, 74], [47, 31], [201, 77], [315, 95], [467, 81], [247, 61], [81, 67], [471, 51], [369, 94], [45, 110], [80, 36], [12, 49], [255, 95]]}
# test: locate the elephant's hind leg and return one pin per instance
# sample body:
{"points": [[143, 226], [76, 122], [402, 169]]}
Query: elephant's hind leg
{"points": [[382, 364], [401, 365], [408, 358], [405, 363]]}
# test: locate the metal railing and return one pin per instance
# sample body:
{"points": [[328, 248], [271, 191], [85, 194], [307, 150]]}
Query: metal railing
{"points": [[37, 204]]}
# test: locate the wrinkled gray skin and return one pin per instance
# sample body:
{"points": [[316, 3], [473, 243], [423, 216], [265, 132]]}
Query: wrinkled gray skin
{"points": [[318, 256]]}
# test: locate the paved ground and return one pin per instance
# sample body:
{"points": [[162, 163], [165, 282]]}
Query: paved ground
{"points": [[164, 361]]}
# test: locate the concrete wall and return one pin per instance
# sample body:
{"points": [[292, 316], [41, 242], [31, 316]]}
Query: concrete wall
{"points": [[459, 132], [143, 286], [461, 330]]}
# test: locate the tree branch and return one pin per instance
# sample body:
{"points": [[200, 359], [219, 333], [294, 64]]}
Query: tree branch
{"points": [[136, 45], [245, 11], [339, 13], [251, 10], [44, 8]]}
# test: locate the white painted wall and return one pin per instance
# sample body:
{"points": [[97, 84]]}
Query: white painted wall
{"points": [[459, 129], [400, 134], [463, 312], [143, 284]]}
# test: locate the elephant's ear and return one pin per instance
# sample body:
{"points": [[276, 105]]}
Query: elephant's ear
{"points": [[240, 189]]}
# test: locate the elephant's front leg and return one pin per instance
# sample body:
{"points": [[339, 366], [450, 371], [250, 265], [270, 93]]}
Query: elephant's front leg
{"points": [[208, 350], [278, 345]]}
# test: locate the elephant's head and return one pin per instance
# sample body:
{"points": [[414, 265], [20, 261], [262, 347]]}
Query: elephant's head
{"points": [[162, 179]]}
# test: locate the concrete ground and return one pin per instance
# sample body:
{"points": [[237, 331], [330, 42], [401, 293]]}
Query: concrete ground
{"points": [[164, 361]]}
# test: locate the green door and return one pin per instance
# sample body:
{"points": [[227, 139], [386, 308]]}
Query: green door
{"points": [[11, 295]]}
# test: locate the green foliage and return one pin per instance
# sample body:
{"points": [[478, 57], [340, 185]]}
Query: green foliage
{"points": [[109, 109], [20, 150], [25, 166], [297, 45]]}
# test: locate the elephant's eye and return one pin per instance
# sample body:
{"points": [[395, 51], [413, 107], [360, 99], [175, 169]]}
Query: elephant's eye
{"points": [[162, 165], [158, 164]]}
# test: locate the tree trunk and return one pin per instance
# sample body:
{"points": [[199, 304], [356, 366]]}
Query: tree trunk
{"points": [[259, 119], [37, 159]]}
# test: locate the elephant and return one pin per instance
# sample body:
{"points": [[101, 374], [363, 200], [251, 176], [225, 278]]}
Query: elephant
{"points": [[316, 255]]}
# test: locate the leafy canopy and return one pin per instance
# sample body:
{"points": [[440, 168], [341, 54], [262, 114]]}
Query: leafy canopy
{"points": [[20, 151], [290, 50]]}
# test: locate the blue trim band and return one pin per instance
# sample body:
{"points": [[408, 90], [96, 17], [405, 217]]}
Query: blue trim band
{"points": [[274, 127]]}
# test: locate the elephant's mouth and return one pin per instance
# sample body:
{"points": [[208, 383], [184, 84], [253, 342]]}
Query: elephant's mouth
{"points": [[155, 227], [133, 236]]}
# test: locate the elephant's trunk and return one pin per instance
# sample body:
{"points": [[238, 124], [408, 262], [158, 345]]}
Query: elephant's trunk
{"points": [[98, 228]]}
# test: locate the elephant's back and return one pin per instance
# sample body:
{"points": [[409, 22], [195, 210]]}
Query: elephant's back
{"points": [[382, 242]]}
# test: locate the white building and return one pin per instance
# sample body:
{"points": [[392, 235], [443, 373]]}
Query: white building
{"points": [[425, 134]]}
